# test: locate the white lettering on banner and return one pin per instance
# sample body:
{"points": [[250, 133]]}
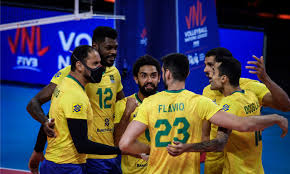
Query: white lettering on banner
{"points": [[72, 37], [83, 36], [195, 34], [27, 61], [66, 44], [63, 62], [143, 41]]}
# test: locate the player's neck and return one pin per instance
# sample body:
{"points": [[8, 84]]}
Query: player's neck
{"points": [[79, 77], [176, 85], [229, 89]]}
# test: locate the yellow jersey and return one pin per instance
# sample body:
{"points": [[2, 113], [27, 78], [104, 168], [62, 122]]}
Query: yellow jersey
{"points": [[174, 116], [214, 160], [243, 151], [102, 98], [130, 164], [69, 100]]}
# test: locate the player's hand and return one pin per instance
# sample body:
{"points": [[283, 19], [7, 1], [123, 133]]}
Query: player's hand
{"points": [[131, 105], [144, 156], [35, 159], [283, 124], [259, 68], [177, 149], [48, 128]]}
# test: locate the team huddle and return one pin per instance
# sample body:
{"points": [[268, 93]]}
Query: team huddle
{"points": [[91, 125]]}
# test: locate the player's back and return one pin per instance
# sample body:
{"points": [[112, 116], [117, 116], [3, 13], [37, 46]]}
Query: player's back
{"points": [[175, 116], [243, 152]]}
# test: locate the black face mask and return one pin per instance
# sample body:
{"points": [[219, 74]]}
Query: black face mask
{"points": [[96, 73]]}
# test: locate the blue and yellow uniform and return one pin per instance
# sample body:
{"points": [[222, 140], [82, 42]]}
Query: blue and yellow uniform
{"points": [[64, 105], [243, 151], [102, 97], [130, 164], [214, 162], [174, 116]]}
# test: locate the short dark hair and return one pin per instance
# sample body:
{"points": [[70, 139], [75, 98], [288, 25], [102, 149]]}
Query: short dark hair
{"points": [[100, 33], [230, 67], [80, 53], [178, 65], [145, 60], [218, 52]]}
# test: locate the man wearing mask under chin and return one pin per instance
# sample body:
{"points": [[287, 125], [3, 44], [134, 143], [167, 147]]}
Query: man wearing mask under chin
{"points": [[71, 109]]}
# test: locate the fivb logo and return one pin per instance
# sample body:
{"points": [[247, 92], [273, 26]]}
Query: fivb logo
{"points": [[143, 35], [194, 23], [23, 61]]}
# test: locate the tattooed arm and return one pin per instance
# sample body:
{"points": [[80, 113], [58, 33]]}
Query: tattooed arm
{"points": [[215, 145]]}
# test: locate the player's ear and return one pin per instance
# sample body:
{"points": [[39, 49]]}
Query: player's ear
{"points": [[136, 79], [79, 66], [95, 45], [166, 73], [224, 78]]}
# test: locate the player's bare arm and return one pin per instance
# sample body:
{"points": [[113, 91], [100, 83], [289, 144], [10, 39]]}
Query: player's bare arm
{"points": [[129, 143], [35, 110], [35, 159], [206, 127], [277, 98], [215, 145], [249, 124], [120, 127]]}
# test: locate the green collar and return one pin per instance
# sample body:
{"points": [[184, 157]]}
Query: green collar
{"points": [[137, 97], [241, 91], [174, 91], [71, 77]]}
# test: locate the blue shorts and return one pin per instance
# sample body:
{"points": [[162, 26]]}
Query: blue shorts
{"points": [[49, 167], [103, 166]]}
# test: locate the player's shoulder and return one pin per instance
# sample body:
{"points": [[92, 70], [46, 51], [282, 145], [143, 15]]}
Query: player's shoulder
{"points": [[245, 81], [207, 88], [66, 69], [61, 74], [210, 93], [152, 98], [237, 97], [250, 94], [112, 70], [71, 90], [70, 84]]}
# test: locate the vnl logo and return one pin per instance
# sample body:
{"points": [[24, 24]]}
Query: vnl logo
{"points": [[195, 29], [195, 16], [143, 35], [27, 61]]}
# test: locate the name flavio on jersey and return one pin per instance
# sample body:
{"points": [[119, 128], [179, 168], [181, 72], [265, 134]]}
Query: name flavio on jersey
{"points": [[171, 107]]}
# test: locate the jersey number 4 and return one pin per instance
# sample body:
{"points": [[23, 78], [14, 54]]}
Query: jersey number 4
{"points": [[108, 94], [168, 128]]}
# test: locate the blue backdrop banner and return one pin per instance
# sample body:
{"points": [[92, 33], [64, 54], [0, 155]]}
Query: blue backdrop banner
{"points": [[197, 32], [32, 55]]}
